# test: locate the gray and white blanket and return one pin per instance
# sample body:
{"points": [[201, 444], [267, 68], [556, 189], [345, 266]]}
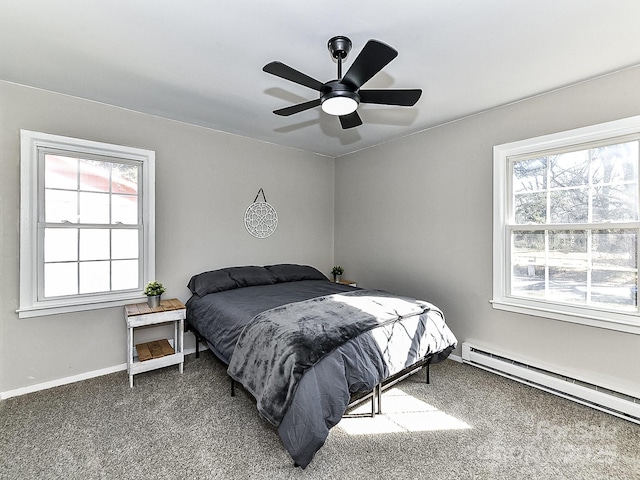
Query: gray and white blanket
{"points": [[279, 345]]}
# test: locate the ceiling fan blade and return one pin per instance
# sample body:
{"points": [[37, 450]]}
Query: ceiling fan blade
{"points": [[405, 98], [351, 120], [284, 71], [300, 107], [373, 58]]}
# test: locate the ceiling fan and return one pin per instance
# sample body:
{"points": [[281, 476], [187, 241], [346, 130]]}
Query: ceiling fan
{"points": [[341, 97]]}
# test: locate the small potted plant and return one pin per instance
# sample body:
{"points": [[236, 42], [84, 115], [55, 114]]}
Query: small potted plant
{"points": [[153, 291], [337, 272]]}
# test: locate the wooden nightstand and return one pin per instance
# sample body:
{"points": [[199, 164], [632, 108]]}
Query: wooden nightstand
{"points": [[348, 282], [141, 315]]}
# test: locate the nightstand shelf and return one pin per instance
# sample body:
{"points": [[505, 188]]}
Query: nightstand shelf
{"points": [[141, 315]]}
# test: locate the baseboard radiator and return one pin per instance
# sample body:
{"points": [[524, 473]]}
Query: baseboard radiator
{"points": [[615, 403]]}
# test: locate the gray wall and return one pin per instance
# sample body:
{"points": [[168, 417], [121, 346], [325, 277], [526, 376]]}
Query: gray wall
{"points": [[414, 216], [204, 182]]}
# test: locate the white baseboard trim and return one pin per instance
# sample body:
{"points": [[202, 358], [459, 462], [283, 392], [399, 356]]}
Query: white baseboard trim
{"points": [[75, 378], [62, 381], [103, 371], [455, 358]]}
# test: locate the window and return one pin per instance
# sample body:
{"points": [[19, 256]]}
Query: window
{"points": [[87, 224], [567, 223]]}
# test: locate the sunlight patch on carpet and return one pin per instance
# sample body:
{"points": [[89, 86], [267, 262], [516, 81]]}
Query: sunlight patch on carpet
{"points": [[401, 412]]}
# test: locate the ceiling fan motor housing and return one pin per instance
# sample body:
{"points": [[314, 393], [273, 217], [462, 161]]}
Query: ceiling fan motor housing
{"points": [[338, 99], [334, 89]]}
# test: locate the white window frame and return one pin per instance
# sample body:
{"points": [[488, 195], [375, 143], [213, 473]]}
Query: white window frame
{"points": [[620, 321], [30, 258]]}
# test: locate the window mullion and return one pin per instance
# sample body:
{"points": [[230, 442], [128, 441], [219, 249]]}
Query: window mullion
{"points": [[546, 263], [110, 229], [40, 227], [78, 261], [637, 266], [546, 231], [638, 220], [589, 233]]}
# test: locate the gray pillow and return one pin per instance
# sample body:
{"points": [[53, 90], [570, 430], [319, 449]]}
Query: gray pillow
{"points": [[289, 272], [211, 282], [251, 276]]}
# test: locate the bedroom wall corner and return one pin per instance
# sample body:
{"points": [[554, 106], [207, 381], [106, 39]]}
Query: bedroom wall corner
{"points": [[414, 216], [205, 180]]}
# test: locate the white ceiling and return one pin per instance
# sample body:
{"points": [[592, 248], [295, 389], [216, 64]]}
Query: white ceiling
{"points": [[200, 61]]}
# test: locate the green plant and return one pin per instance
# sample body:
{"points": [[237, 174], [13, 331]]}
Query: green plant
{"points": [[337, 270], [154, 288]]}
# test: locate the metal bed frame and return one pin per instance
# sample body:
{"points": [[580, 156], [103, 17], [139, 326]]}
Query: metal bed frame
{"points": [[357, 399], [376, 394]]}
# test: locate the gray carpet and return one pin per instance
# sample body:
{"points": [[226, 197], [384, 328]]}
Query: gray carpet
{"points": [[467, 424]]}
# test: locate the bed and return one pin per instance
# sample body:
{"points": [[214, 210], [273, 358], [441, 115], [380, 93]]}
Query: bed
{"points": [[306, 347]]}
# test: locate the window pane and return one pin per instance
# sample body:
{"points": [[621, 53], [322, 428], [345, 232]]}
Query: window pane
{"points": [[570, 206], [530, 175], [528, 281], [615, 163], [528, 247], [94, 208], [530, 208], [94, 244], [61, 206], [60, 244], [614, 248], [567, 285], [125, 179], [614, 289], [569, 169], [124, 209], [528, 264], [615, 203], [94, 175], [124, 274], [125, 244], [568, 249], [94, 277], [60, 279], [60, 172]]}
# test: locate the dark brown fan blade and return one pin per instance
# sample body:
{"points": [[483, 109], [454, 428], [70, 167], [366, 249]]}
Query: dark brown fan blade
{"points": [[406, 98], [351, 120], [284, 71], [300, 107], [373, 57]]}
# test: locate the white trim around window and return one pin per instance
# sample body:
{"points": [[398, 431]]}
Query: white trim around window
{"points": [[33, 301], [503, 225]]}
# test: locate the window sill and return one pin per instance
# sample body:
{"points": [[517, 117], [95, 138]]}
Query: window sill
{"points": [[49, 309], [620, 322]]}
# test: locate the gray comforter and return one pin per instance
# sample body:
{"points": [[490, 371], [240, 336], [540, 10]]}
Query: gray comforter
{"points": [[278, 346], [323, 392]]}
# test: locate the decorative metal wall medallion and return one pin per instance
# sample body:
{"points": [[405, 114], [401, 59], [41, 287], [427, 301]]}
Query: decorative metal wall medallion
{"points": [[260, 218]]}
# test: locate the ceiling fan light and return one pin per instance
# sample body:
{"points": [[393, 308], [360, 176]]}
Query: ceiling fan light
{"points": [[339, 105]]}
